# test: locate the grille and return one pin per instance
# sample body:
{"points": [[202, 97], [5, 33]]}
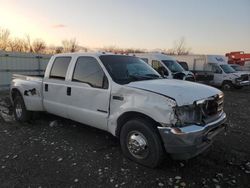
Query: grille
{"points": [[213, 106], [245, 77]]}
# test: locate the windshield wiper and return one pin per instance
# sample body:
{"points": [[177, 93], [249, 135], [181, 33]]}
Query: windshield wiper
{"points": [[136, 77], [143, 77]]}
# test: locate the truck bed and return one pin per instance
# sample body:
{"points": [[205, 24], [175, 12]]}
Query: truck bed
{"points": [[203, 76], [30, 87]]}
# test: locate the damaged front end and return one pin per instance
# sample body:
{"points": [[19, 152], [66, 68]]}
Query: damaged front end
{"points": [[200, 112], [195, 127]]}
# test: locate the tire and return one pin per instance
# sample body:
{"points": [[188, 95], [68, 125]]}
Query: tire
{"points": [[21, 114], [227, 86], [139, 131]]}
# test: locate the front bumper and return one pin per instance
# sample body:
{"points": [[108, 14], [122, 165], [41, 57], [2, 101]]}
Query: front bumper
{"points": [[243, 83], [187, 142]]}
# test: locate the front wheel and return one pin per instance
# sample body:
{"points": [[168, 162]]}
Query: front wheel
{"points": [[21, 114], [141, 143], [227, 86]]}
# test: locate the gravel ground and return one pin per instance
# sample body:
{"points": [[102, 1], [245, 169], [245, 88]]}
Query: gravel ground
{"points": [[54, 152]]}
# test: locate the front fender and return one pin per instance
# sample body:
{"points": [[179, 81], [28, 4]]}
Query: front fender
{"points": [[153, 105]]}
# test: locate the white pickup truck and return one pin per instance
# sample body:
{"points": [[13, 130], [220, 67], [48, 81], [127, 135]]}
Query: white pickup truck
{"points": [[125, 96]]}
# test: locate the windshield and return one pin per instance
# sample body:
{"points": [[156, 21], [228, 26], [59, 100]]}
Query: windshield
{"points": [[173, 66], [227, 69], [125, 69], [236, 67]]}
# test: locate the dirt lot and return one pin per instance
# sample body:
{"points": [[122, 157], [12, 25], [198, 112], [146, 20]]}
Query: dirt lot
{"points": [[54, 152]]}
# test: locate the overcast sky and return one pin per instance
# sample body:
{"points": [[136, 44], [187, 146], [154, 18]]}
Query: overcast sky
{"points": [[209, 26]]}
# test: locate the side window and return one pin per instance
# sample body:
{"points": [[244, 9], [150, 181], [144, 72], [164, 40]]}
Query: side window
{"points": [[145, 60], [59, 68], [88, 70], [216, 69], [159, 68]]}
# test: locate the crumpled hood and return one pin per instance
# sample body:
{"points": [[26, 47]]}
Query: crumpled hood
{"points": [[188, 73], [239, 73], [244, 72], [184, 92]]}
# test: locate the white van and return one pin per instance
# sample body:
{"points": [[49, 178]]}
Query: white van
{"points": [[167, 66], [223, 74]]}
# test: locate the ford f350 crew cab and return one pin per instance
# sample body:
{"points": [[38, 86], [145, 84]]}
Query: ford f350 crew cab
{"points": [[128, 98]]}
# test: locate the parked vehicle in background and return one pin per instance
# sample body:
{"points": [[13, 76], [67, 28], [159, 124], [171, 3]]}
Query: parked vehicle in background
{"points": [[200, 76], [247, 66], [214, 70], [184, 65], [126, 97], [240, 69], [166, 66], [239, 58]]}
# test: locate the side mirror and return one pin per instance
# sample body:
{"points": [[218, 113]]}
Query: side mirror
{"points": [[105, 82], [218, 71]]}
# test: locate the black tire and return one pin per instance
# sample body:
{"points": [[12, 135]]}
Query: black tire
{"points": [[21, 114], [227, 86], [153, 153]]}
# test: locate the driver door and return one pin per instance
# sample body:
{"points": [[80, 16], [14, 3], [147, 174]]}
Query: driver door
{"points": [[218, 75]]}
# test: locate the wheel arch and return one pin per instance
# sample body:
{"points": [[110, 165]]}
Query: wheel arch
{"points": [[14, 93], [227, 81], [132, 115]]}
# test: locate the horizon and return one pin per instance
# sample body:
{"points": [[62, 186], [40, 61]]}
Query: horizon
{"points": [[209, 27]]}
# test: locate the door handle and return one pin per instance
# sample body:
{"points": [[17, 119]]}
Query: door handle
{"points": [[68, 91], [46, 87]]}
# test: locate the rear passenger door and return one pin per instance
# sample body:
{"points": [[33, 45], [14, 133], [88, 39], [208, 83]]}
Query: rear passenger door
{"points": [[90, 93], [54, 88]]}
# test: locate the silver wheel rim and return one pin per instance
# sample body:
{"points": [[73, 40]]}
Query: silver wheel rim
{"points": [[137, 145], [19, 110], [226, 86]]}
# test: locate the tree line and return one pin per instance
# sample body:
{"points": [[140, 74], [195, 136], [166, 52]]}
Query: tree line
{"points": [[26, 44]]}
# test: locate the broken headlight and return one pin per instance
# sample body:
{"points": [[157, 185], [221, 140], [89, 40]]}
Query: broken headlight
{"points": [[188, 114]]}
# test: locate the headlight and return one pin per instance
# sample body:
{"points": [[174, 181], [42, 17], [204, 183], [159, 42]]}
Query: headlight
{"points": [[187, 115], [238, 79]]}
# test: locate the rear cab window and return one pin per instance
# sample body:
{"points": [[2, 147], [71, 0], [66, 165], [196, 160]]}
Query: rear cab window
{"points": [[59, 68]]}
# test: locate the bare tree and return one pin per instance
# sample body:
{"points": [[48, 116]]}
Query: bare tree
{"points": [[38, 46], [58, 49], [17, 45], [180, 48], [4, 38], [28, 45], [70, 45]]}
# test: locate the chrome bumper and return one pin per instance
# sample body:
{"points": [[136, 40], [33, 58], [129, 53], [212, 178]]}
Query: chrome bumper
{"points": [[187, 142], [243, 83]]}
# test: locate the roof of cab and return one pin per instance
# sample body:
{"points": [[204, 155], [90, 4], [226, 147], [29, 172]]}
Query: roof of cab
{"points": [[92, 54], [156, 55]]}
